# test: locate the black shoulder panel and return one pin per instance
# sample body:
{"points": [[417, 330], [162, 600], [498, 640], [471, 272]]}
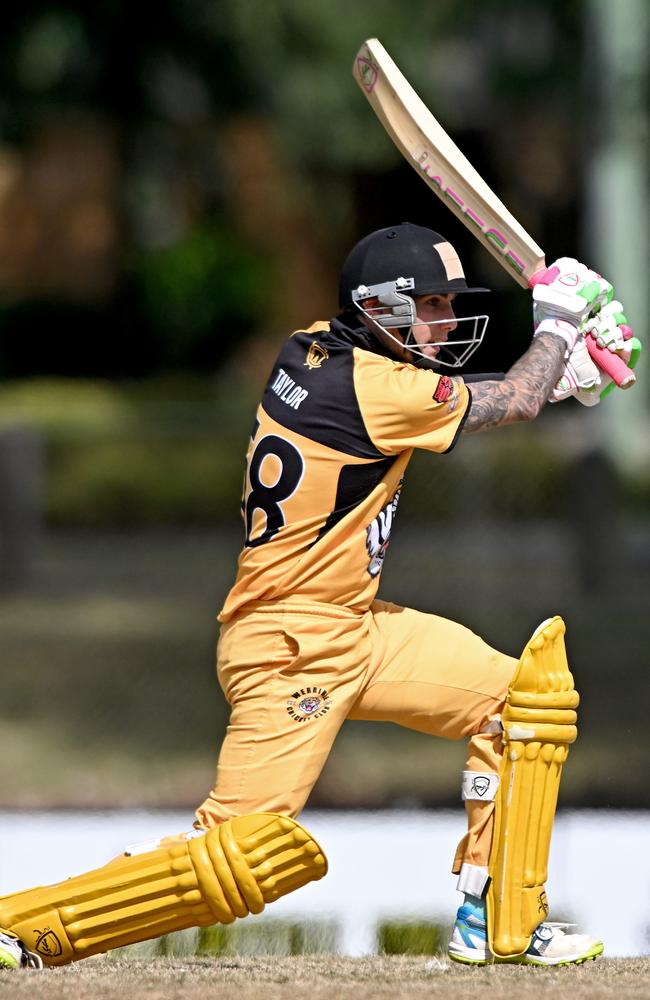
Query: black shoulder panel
{"points": [[356, 482], [311, 392]]}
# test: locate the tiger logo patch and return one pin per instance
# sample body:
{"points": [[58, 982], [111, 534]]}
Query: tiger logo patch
{"points": [[308, 703]]}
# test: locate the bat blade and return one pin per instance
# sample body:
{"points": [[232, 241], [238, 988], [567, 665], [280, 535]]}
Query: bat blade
{"points": [[441, 164], [450, 175]]}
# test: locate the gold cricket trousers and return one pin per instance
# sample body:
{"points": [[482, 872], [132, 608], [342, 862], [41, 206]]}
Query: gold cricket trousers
{"points": [[294, 672]]}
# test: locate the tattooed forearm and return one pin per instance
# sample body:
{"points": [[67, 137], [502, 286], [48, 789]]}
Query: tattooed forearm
{"points": [[523, 392]]}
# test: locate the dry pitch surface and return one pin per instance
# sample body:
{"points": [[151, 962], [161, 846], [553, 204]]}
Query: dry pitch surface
{"points": [[317, 978]]}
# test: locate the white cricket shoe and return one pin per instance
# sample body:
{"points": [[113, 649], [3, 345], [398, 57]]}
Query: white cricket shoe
{"points": [[550, 944], [14, 954]]}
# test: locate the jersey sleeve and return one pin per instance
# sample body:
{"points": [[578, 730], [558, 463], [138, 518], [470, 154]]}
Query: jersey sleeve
{"points": [[407, 407]]}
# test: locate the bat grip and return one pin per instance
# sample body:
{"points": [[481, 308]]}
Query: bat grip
{"points": [[611, 364], [543, 276]]}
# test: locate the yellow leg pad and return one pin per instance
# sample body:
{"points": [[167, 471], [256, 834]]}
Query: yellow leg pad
{"points": [[232, 870], [539, 724]]}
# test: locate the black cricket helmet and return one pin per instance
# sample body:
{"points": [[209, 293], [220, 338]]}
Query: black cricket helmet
{"points": [[404, 251], [391, 266]]}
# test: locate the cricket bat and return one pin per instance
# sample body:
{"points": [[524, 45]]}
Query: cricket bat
{"points": [[450, 175]]}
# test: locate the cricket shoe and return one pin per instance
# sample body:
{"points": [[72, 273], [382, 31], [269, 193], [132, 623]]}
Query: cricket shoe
{"points": [[550, 944], [14, 954]]}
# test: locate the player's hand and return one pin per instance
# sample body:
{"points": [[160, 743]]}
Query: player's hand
{"points": [[610, 329], [577, 378], [581, 377], [613, 347], [571, 292]]}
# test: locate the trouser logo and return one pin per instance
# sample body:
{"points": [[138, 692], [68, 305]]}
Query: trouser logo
{"points": [[308, 703]]}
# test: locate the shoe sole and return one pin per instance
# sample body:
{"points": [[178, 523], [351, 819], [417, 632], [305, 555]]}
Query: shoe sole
{"points": [[7, 960], [589, 956]]}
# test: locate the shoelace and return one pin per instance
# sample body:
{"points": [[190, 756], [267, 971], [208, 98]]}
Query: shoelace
{"points": [[558, 925], [30, 959]]}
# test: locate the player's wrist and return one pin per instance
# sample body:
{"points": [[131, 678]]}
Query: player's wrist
{"points": [[562, 328]]}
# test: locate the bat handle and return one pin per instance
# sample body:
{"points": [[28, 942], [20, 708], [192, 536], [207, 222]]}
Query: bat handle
{"points": [[611, 364], [543, 275]]}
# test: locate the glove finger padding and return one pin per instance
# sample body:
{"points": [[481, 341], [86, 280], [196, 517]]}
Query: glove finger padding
{"points": [[609, 327], [591, 396]]}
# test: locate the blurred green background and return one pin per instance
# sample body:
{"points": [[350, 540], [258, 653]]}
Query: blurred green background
{"points": [[177, 191]]}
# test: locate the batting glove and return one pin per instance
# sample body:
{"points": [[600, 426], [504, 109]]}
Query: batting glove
{"points": [[577, 376], [610, 329], [568, 291], [564, 328], [581, 377]]}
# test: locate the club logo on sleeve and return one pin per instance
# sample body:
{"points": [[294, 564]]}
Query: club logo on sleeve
{"points": [[308, 703], [447, 391], [444, 389], [316, 355], [378, 535]]}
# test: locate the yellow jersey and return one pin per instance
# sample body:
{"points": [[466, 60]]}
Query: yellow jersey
{"points": [[334, 432]]}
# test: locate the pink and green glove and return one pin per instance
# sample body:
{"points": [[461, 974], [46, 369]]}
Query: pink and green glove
{"points": [[611, 342], [581, 377], [565, 295]]}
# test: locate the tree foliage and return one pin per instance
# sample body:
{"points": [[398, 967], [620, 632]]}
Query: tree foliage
{"points": [[159, 93]]}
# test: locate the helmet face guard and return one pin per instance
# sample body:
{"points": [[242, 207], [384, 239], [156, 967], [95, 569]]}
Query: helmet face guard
{"points": [[396, 310]]}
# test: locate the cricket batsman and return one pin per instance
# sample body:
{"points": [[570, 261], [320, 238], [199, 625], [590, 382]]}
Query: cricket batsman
{"points": [[305, 644]]}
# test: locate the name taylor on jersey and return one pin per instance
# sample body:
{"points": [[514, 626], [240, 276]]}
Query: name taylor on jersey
{"points": [[286, 389]]}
